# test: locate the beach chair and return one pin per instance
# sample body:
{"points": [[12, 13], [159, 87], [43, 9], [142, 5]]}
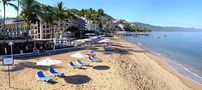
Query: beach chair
{"points": [[71, 64], [53, 72], [82, 63], [107, 49], [42, 77], [93, 59]]}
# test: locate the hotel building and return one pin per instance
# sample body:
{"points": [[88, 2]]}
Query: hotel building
{"points": [[40, 30]]}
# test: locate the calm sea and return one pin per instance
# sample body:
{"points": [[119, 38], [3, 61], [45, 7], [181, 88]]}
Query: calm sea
{"points": [[183, 50]]}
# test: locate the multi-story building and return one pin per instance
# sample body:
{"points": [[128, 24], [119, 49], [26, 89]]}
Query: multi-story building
{"points": [[11, 27], [88, 24], [41, 30]]}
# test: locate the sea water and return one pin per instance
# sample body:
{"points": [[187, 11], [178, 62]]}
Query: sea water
{"points": [[183, 50]]}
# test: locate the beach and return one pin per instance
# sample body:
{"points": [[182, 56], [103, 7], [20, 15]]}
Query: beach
{"points": [[126, 67]]}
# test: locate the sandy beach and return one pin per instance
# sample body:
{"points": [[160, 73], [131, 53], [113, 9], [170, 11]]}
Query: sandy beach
{"points": [[126, 67]]}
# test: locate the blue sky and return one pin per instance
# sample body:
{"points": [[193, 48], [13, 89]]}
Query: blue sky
{"points": [[185, 13]]}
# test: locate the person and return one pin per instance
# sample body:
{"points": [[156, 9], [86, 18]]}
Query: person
{"points": [[34, 50], [41, 48]]}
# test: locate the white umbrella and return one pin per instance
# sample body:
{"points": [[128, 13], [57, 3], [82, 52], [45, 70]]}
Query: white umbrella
{"points": [[104, 41], [88, 39], [48, 62], [89, 34], [79, 55], [94, 37]]}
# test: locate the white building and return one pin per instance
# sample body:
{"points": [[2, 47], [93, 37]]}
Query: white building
{"points": [[41, 30]]}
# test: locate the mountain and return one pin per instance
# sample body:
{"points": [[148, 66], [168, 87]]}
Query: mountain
{"points": [[161, 28]]}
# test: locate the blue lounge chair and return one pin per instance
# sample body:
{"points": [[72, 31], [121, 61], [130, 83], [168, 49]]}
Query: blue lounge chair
{"points": [[42, 77], [71, 64], [90, 58], [93, 59], [53, 72], [82, 63], [107, 49]]}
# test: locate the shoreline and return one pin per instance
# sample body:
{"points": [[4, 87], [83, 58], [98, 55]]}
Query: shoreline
{"points": [[161, 60], [179, 68]]}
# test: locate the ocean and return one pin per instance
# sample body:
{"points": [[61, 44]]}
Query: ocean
{"points": [[182, 50]]}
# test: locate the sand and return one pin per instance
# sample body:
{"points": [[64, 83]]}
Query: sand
{"points": [[126, 67]]}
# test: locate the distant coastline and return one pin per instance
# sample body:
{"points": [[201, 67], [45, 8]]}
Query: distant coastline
{"points": [[167, 28]]}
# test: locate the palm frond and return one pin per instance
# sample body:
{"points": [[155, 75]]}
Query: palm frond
{"points": [[13, 5]]}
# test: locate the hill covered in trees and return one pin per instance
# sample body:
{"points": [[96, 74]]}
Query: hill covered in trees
{"points": [[166, 28]]}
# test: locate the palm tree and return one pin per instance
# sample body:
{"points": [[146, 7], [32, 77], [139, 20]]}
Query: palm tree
{"points": [[60, 15], [30, 10], [48, 17], [18, 5], [69, 14], [6, 3], [82, 12], [100, 15]]}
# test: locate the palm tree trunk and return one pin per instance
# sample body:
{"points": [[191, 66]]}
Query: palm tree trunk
{"points": [[41, 29], [61, 31], [5, 49], [18, 21], [51, 27], [27, 37]]}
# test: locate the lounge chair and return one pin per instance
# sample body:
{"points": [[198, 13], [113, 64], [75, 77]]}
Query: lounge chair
{"points": [[107, 49], [71, 64], [82, 63], [42, 77], [53, 72], [93, 59]]}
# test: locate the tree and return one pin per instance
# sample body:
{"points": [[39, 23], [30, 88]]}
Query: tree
{"points": [[69, 14], [82, 12], [100, 16], [60, 15], [6, 3], [18, 5], [74, 30], [30, 10], [48, 17]]}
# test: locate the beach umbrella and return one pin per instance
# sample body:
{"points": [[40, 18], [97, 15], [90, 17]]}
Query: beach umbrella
{"points": [[104, 41], [94, 37], [79, 55], [89, 34], [48, 62], [88, 39], [80, 40]]}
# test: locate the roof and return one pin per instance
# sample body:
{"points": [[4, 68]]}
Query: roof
{"points": [[9, 20]]}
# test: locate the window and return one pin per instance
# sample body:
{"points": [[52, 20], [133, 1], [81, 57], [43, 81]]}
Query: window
{"points": [[48, 36], [48, 31]]}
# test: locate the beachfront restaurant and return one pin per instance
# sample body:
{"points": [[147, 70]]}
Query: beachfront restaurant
{"points": [[36, 46]]}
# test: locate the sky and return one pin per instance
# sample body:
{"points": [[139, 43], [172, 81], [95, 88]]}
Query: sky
{"points": [[182, 13]]}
